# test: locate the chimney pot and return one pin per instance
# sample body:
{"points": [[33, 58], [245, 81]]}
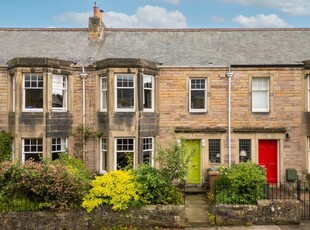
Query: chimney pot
{"points": [[97, 12], [101, 15]]}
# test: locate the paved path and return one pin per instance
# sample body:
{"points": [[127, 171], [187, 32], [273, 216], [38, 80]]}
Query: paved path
{"points": [[196, 210]]}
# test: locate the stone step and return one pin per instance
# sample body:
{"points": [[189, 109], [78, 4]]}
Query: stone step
{"points": [[195, 189]]}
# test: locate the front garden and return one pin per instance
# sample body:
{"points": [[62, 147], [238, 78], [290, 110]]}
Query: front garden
{"points": [[66, 184]]}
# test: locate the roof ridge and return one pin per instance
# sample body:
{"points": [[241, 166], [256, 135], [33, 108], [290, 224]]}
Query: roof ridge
{"points": [[160, 29], [43, 29], [203, 29]]}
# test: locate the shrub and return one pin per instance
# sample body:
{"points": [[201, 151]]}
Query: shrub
{"points": [[117, 188], [76, 168], [173, 160], [240, 184], [49, 184], [5, 146], [155, 189]]}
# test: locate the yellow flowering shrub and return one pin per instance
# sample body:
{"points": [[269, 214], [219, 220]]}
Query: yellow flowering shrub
{"points": [[117, 188]]}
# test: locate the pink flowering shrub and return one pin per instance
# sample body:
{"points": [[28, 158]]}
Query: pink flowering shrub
{"points": [[51, 184]]}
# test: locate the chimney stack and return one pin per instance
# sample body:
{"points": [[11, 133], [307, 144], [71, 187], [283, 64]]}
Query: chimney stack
{"points": [[96, 25]]}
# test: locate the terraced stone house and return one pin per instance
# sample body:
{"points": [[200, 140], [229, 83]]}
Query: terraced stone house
{"points": [[232, 94]]}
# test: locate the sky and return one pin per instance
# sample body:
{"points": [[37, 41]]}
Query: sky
{"points": [[157, 13]]}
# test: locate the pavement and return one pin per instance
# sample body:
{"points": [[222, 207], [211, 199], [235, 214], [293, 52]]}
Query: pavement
{"points": [[304, 225], [197, 208]]}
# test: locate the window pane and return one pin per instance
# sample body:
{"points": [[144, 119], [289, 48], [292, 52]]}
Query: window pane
{"points": [[198, 99], [147, 150], [32, 149], [244, 150], [34, 98], [124, 153], [260, 83], [103, 156], [214, 151], [147, 92], [33, 156], [124, 160], [125, 98], [260, 100], [147, 99], [59, 94], [59, 145], [147, 82], [104, 89], [125, 92]]}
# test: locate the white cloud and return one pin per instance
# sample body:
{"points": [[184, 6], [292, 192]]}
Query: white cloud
{"points": [[261, 21], [292, 7], [79, 19], [145, 17]]}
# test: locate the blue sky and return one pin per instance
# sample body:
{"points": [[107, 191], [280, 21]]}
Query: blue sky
{"points": [[157, 13]]}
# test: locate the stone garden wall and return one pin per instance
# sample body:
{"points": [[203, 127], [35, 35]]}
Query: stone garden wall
{"points": [[145, 217], [265, 212]]}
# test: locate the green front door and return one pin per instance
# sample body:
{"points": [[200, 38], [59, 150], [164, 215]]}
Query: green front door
{"points": [[193, 175]]}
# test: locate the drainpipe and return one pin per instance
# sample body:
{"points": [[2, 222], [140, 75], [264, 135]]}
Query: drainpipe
{"points": [[229, 75], [83, 75]]}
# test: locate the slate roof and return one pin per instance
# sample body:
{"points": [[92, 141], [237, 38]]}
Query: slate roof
{"points": [[171, 47]]}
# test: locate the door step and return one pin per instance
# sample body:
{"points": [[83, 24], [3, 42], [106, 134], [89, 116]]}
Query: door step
{"points": [[194, 189]]}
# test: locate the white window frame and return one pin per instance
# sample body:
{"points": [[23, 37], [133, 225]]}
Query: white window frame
{"points": [[117, 151], [29, 88], [132, 109], [63, 145], [267, 92], [193, 110], [103, 91], [152, 93], [13, 93], [103, 151], [36, 145], [64, 88], [145, 149], [308, 89]]}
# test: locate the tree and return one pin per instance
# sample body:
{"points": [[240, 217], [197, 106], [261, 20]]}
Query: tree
{"points": [[173, 160]]}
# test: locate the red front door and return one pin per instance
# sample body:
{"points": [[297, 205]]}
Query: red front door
{"points": [[268, 158]]}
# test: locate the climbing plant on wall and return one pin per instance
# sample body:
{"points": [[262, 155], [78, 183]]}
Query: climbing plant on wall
{"points": [[5, 146], [80, 135]]}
